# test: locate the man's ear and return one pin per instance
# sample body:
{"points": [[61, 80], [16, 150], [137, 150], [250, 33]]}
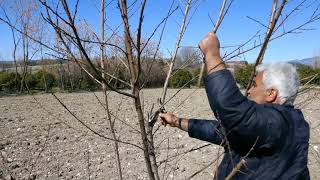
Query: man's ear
{"points": [[271, 96]]}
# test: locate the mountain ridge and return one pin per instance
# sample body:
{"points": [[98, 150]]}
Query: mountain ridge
{"points": [[307, 61]]}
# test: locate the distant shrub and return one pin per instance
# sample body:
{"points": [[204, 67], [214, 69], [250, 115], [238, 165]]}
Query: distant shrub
{"points": [[121, 73], [243, 74], [36, 80], [31, 81], [180, 78], [50, 79], [87, 83], [306, 73], [7, 81]]}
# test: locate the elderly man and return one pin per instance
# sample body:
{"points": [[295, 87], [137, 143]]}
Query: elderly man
{"points": [[265, 131]]}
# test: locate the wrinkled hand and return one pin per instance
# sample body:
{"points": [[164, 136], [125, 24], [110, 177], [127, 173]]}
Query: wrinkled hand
{"points": [[210, 46], [169, 118]]}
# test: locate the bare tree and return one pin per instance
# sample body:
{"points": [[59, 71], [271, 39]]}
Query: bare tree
{"points": [[188, 56], [15, 46], [26, 11]]}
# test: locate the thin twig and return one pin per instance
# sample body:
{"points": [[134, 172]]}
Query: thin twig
{"points": [[242, 162], [173, 59], [219, 20], [275, 14]]}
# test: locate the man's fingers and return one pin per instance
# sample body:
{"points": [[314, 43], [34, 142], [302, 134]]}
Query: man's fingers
{"points": [[164, 123], [162, 115], [162, 119], [165, 118]]}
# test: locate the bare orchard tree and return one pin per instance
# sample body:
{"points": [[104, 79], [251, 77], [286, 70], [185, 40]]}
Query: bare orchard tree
{"points": [[26, 14], [188, 57], [22, 19], [15, 44], [132, 51]]}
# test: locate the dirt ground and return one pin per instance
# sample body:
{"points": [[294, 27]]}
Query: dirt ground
{"points": [[39, 139]]}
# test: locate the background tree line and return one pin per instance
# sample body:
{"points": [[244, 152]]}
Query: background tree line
{"points": [[55, 77], [306, 73]]}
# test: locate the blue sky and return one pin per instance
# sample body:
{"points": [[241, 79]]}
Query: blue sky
{"points": [[235, 29]]}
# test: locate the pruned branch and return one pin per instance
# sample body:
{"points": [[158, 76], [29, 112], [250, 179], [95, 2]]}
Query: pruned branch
{"points": [[139, 40], [275, 14], [173, 59], [223, 11], [242, 162]]}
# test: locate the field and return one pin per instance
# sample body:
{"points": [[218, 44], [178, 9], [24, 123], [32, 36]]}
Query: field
{"points": [[39, 139]]}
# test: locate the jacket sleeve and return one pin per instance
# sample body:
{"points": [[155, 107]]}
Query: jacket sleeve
{"points": [[206, 130], [244, 120]]}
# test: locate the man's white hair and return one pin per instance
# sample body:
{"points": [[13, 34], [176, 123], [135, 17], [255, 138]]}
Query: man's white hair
{"points": [[284, 78]]}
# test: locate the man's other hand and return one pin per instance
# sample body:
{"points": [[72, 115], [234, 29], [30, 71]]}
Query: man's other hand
{"points": [[169, 118]]}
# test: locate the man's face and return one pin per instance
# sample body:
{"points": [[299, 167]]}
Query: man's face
{"points": [[257, 90]]}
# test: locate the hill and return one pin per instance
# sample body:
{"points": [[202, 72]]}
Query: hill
{"points": [[313, 61]]}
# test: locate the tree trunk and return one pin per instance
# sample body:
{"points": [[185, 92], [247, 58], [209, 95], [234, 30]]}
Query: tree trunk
{"points": [[44, 80], [61, 72], [70, 76], [152, 174], [43, 73], [152, 153], [25, 45], [15, 61], [136, 89]]}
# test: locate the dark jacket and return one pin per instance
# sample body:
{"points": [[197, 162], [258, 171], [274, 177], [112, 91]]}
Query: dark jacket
{"points": [[278, 133]]}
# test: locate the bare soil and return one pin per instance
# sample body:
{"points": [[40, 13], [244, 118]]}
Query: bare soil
{"points": [[39, 139]]}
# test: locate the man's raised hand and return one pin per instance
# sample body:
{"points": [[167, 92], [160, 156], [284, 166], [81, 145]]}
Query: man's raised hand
{"points": [[210, 47]]}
